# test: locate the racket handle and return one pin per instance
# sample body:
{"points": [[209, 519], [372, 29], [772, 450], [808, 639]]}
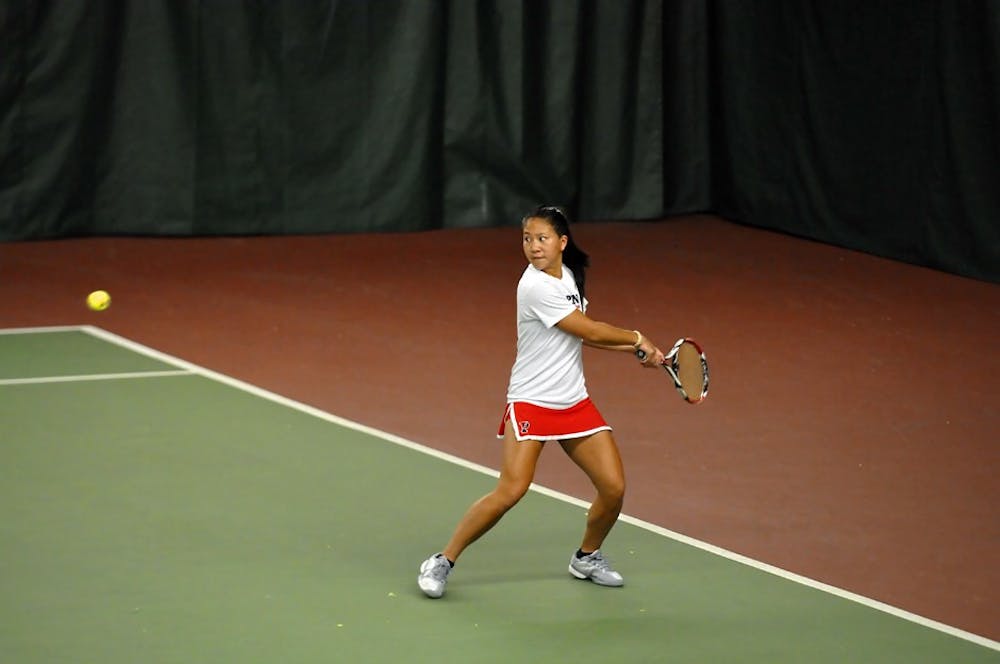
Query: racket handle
{"points": [[641, 354]]}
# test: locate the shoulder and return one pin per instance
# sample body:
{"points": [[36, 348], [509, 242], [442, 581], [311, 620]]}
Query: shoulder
{"points": [[536, 284], [528, 275], [534, 279], [532, 276]]}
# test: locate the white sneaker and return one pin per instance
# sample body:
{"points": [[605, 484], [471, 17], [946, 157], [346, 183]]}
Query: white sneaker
{"points": [[433, 575], [593, 566]]}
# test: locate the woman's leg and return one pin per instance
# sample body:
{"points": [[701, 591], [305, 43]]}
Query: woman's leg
{"points": [[516, 473], [598, 456]]}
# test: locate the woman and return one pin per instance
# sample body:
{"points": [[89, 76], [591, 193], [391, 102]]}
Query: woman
{"points": [[547, 400]]}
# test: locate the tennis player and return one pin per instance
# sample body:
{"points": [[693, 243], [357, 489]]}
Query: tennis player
{"points": [[547, 401]]}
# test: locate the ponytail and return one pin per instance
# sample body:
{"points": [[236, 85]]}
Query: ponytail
{"points": [[575, 258]]}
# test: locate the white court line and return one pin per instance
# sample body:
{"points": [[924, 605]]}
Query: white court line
{"points": [[684, 539], [84, 377], [40, 330]]}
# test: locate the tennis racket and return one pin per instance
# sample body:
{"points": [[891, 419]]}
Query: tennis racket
{"points": [[687, 367]]}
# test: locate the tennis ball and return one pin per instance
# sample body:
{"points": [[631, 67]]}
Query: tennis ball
{"points": [[99, 300]]}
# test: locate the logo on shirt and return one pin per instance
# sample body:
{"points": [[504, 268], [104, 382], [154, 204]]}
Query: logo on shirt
{"points": [[575, 299]]}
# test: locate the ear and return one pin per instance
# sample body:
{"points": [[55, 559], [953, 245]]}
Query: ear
{"points": [[563, 241]]}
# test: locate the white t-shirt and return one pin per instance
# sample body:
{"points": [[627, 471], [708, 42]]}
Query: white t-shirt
{"points": [[548, 370]]}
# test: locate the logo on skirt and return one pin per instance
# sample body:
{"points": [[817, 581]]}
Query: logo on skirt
{"points": [[525, 425]]}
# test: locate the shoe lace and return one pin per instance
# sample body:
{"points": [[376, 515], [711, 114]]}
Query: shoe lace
{"points": [[440, 569], [598, 560]]}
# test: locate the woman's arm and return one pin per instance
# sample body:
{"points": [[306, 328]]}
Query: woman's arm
{"points": [[622, 347], [602, 335]]}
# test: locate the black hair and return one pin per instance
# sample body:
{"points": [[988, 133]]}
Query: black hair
{"points": [[573, 257]]}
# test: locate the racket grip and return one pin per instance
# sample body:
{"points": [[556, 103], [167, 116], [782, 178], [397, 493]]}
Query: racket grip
{"points": [[641, 354]]}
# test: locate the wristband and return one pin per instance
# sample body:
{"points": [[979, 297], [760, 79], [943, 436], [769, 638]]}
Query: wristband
{"points": [[638, 340]]}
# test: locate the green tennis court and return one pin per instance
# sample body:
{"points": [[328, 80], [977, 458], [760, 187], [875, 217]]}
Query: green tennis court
{"points": [[153, 511]]}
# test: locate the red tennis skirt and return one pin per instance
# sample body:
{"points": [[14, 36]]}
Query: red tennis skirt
{"points": [[537, 423]]}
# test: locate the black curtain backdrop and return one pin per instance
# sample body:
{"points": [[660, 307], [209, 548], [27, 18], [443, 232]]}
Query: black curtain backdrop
{"points": [[870, 124]]}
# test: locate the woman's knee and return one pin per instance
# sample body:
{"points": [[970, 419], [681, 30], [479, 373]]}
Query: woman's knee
{"points": [[510, 493], [612, 489]]}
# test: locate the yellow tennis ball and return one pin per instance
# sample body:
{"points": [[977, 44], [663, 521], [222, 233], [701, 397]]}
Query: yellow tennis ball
{"points": [[99, 300]]}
